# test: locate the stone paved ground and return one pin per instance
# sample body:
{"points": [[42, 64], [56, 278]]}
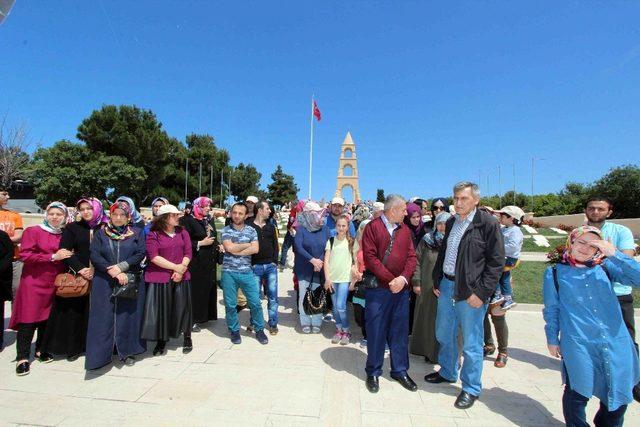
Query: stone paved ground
{"points": [[295, 380]]}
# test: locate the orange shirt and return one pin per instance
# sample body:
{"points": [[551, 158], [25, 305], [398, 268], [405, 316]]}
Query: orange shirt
{"points": [[10, 222]]}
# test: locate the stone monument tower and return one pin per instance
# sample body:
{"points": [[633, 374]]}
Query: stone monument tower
{"points": [[348, 169]]}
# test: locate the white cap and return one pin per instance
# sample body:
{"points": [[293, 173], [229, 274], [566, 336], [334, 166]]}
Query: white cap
{"points": [[413, 199], [337, 201], [377, 207], [513, 211], [166, 209], [252, 199]]}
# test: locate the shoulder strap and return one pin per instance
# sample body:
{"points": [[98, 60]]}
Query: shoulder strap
{"points": [[606, 271], [388, 251], [555, 279], [331, 239]]}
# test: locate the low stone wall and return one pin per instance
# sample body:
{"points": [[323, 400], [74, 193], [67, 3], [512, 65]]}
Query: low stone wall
{"points": [[579, 219]]}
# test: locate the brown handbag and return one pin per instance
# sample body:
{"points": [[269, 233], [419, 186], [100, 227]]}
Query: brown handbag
{"points": [[70, 285]]}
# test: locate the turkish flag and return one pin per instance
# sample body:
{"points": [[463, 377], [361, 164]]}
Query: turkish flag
{"points": [[316, 111]]}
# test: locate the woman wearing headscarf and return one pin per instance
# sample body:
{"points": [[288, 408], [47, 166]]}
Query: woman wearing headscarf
{"points": [[413, 220], [584, 326], [167, 309], [114, 322], [137, 221], [438, 205], [309, 243], [423, 339], [202, 231], [67, 325], [40, 251], [155, 205]]}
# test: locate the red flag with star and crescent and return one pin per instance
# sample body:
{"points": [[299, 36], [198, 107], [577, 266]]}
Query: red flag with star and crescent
{"points": [[316, 111]]}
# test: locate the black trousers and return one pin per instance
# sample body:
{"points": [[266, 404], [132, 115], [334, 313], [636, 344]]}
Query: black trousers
{"points": [[25, 336], [502, 332], [358, 315], [626, 305]]}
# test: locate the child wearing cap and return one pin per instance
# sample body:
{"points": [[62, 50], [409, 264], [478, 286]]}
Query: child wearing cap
{"points": [[510, 218]]}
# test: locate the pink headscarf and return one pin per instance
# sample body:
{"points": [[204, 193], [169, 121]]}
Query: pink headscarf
{"points": [[99, 216], [198, 206]]}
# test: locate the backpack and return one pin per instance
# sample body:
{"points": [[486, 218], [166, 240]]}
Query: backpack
{"points": [[555, 276]]}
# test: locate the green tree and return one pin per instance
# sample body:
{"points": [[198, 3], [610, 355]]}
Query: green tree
{"points": [[573, 197], [380, 195], [245, 181], [622, 186], [134, 134], [283, 188], [68, 171]]}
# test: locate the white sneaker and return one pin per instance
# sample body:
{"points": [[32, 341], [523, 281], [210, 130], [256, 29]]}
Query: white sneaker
{"points": [[336, 338]]}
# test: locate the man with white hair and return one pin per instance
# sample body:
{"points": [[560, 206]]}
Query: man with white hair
{"points": [[378, 208], [390, 260], [465, 276]]}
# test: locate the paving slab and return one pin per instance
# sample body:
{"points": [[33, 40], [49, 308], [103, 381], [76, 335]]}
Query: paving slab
{"points": [[295, 380]]}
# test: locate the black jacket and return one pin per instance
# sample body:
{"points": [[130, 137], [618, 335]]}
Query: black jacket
{"points": [[268, 243], [480, 258]]}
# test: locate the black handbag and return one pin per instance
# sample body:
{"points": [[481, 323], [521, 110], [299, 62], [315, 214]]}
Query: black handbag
{"points": [[369, 280], [130, 289], [315, 301]]}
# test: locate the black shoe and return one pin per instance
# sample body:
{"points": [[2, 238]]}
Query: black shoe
{"points": [[73, 357], [159, 350], [636, 392], [235, 337], [273, 330], [45, 357], [196, 328], [22, 369], [262, 337], [372, 384], [187, 346], [239, 308], [436, 378], [406, 382], [465, 400], [129, 361], [429, 361]]}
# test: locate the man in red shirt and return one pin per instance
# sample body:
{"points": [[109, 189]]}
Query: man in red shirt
{"points": [[388, 254]]}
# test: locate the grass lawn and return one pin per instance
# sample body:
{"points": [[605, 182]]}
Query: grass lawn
{"points": [[530, 246], [542, 231], [527, 283]]}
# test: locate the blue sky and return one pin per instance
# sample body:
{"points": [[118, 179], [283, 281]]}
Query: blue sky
{"points": [[432, 92]]}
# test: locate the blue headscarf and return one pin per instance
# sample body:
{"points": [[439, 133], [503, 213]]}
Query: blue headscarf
{"points": [[135, 215], [434, 238]]}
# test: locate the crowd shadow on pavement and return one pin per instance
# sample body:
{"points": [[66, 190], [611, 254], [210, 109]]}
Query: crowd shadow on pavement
{"points": [[517, 407], [538, 360], [345, 359]]}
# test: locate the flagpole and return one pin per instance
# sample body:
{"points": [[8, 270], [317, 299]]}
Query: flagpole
{"points": [[311, 150]]}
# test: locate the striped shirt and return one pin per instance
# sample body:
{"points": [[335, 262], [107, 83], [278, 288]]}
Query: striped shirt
{"points": [[453, 242]]}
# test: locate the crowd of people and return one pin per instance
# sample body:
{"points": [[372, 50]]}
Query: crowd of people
{"points": [[423, 278]]}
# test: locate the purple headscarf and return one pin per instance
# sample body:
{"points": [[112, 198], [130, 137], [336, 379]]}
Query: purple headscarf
{"points": [[99, 216], [418, 231]]}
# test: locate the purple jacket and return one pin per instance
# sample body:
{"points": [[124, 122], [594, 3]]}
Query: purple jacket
{"points": [[172, 249]]}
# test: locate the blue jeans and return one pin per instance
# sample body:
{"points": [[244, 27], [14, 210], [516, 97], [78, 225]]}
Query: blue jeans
{"points": [[504, 285], [286, 245], [269, 273], [339, 298], [573, 409], [305, 319], [451, 315], [230, 281]]}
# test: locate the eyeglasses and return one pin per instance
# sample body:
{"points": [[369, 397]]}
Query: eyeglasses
{"points": [[438, 208]]}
